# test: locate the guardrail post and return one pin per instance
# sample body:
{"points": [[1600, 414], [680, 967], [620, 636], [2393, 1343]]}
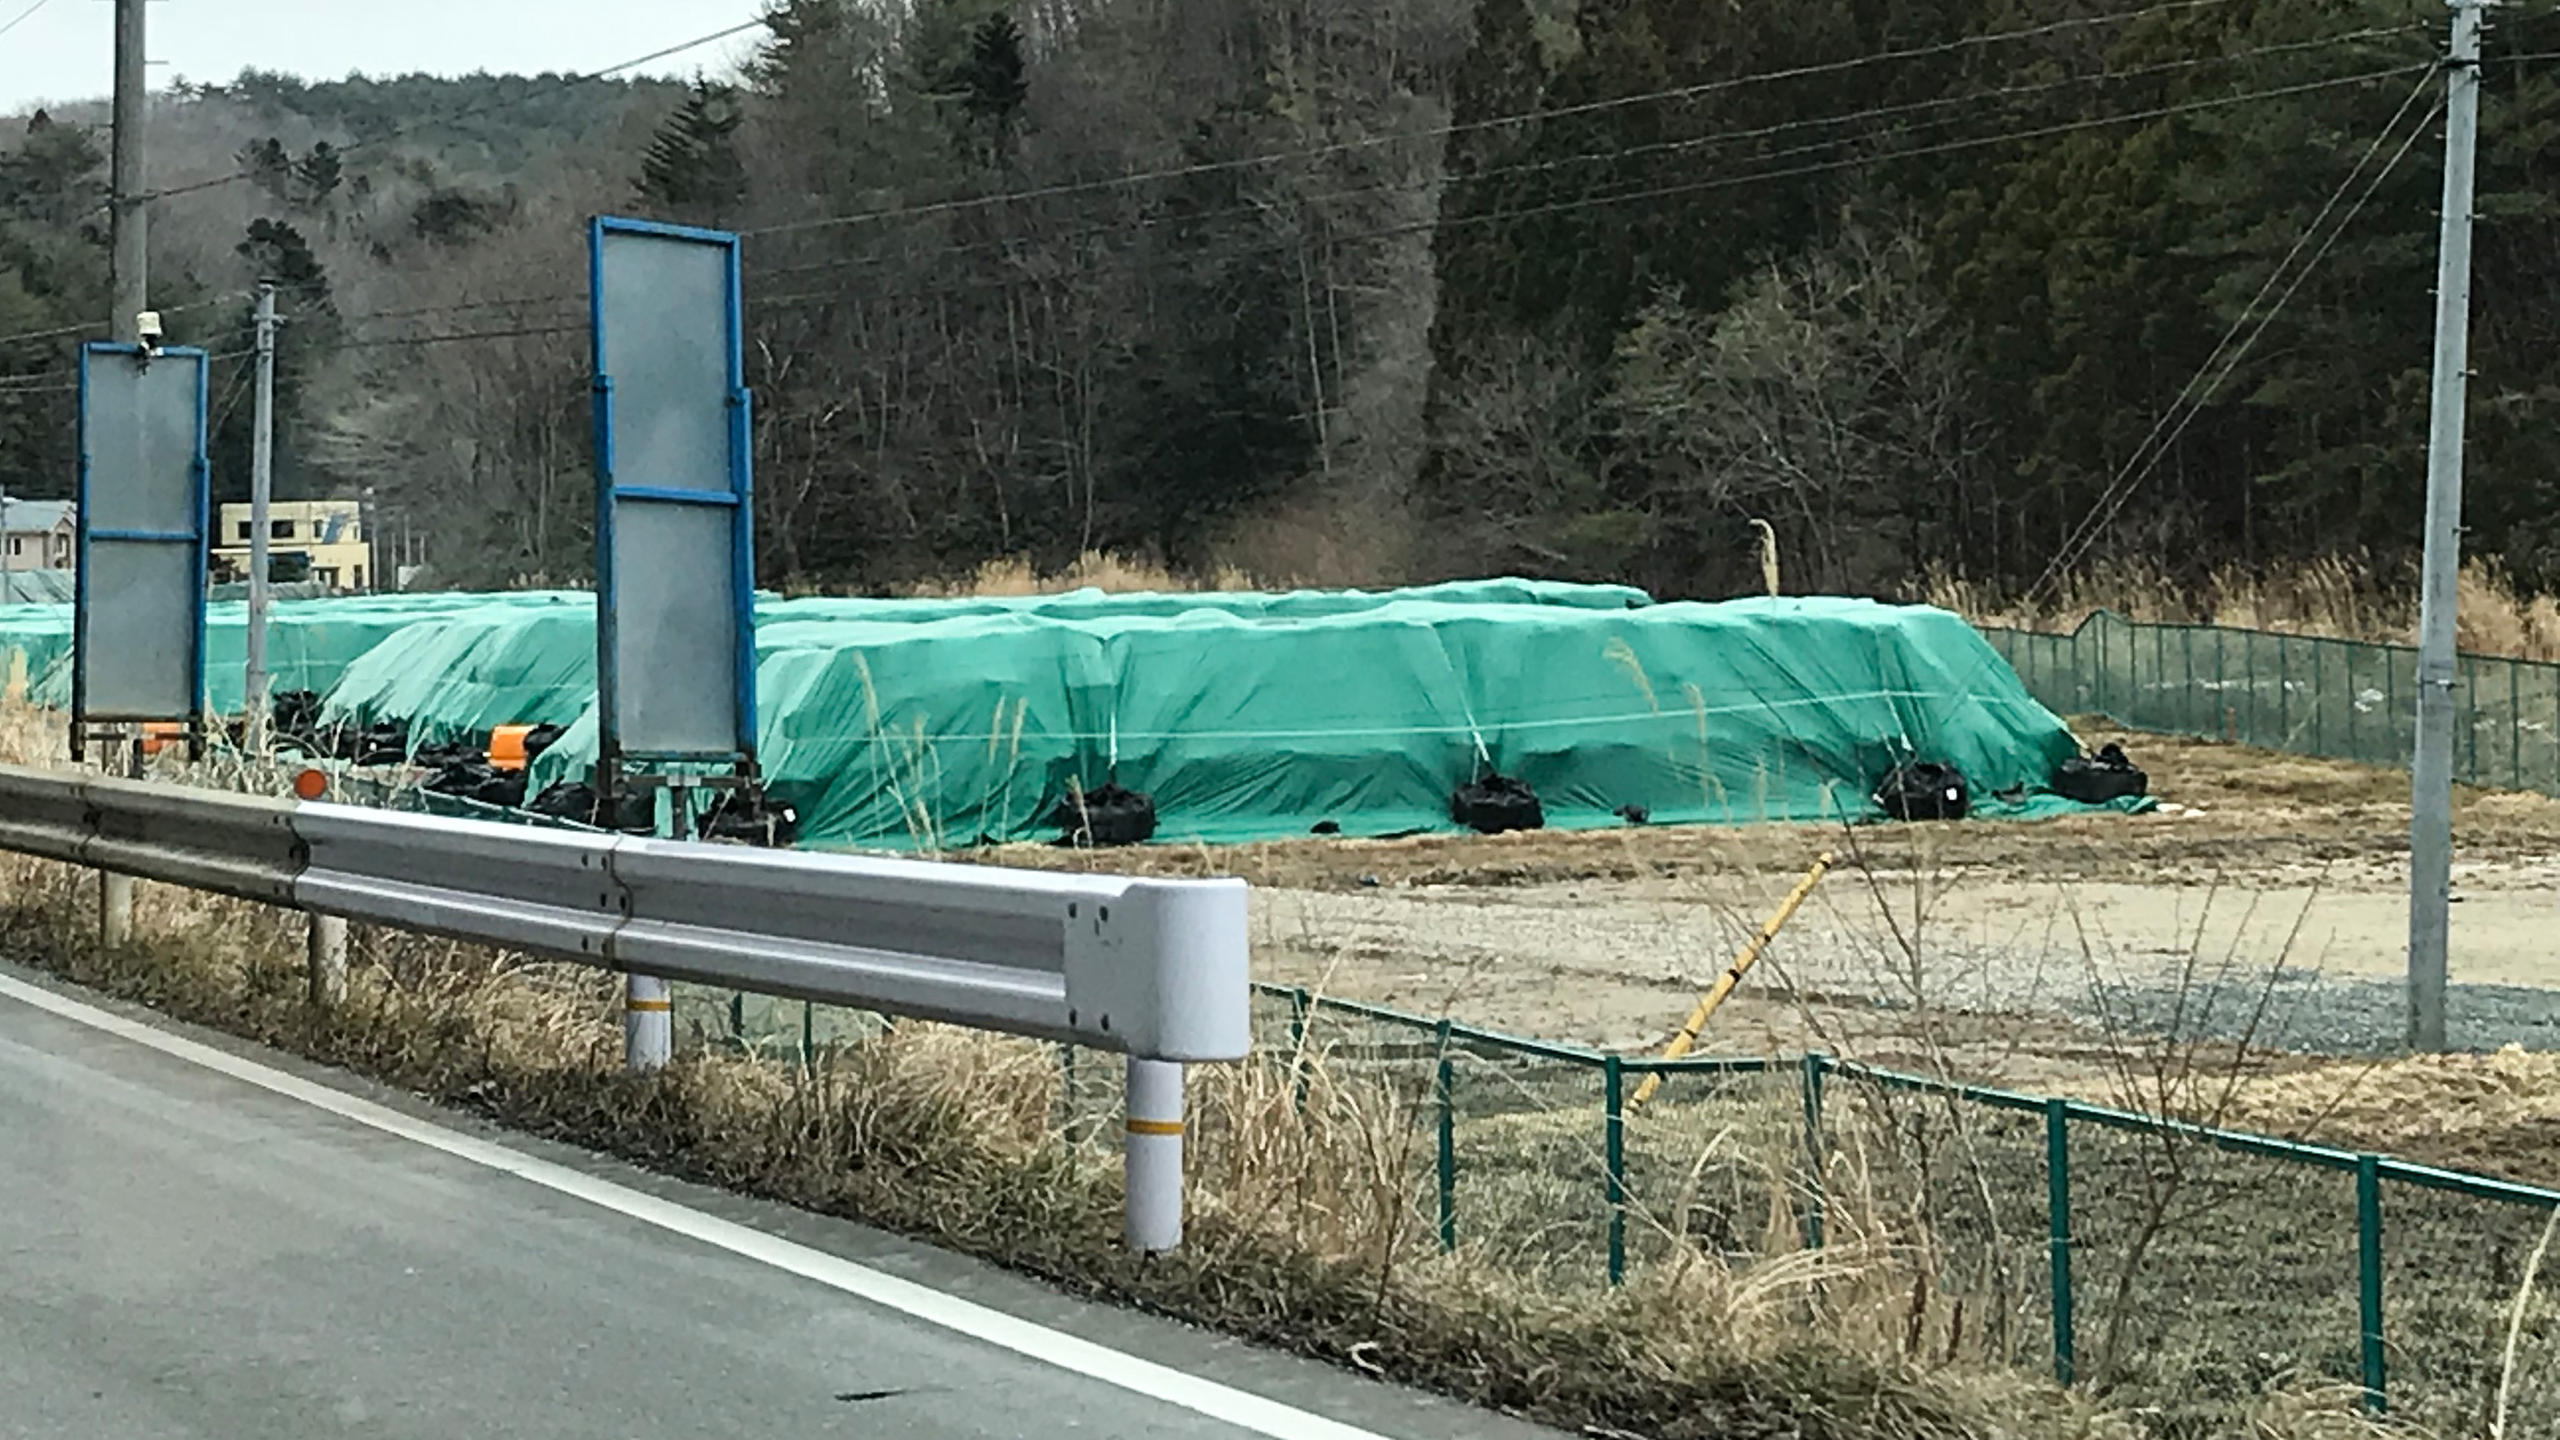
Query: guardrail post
{"points": [[1152, 1155], [648, 1023], [2057, 1182], [115, 908], [2369, 1277], [115, 892], [648, 1003], [328, 960]]}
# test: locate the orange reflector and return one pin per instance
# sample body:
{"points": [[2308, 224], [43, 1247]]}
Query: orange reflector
{"points": [[310, 785], [506, 746], [159, 734]]}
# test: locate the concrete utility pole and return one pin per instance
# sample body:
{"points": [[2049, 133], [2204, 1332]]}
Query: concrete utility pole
{"points": [[262, 465], [132, 262], [2431, 769], [129, 177]]}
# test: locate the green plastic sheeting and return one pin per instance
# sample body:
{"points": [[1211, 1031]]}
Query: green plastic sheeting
{"points": [[310, 643], [932, 723], [970, 729], [508, 662]]}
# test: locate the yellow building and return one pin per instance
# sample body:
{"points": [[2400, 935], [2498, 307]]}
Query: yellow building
{"points": [[322, 541]]}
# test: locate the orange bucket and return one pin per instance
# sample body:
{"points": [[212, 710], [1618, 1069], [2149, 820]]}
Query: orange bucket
{"points": [[506, 747], [159, 735]]}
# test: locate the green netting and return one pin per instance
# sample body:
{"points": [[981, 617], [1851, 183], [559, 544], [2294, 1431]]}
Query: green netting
{"points": [[2306, 695]]}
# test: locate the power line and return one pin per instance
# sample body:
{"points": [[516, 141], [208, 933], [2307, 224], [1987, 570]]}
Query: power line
{"points": [[24, 16], [1689, 143], [2147, 456], [1437, 132], [58, 332], [1724, 182], [565, 82]]}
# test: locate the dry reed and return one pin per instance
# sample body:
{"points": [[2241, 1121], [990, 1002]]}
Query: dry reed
{"points": [[2341, 597]]}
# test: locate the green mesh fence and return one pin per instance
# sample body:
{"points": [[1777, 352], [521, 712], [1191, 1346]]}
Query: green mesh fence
{"points": [[2302, 694], [2180, 1270]]}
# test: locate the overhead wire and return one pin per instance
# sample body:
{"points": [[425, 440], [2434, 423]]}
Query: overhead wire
{"points": [[24, 16], [1690, 187], [2174, 422], [1686, 143], [564, 82], [1438, 132]]}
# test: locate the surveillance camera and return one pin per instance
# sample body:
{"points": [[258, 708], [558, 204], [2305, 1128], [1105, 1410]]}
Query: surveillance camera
{"points": [[147, 326]]}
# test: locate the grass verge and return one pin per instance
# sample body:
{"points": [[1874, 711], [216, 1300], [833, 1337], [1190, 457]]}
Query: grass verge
{"points": [[1305, 1234]]}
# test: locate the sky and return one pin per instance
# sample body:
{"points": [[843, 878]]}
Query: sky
{"points": [[65, 49]]}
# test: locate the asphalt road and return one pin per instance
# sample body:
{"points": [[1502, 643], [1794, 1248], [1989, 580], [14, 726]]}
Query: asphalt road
{"points": [[193, 1243]]}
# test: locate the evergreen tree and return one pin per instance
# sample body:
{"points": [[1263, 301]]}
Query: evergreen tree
{"points": [[692, 170]]}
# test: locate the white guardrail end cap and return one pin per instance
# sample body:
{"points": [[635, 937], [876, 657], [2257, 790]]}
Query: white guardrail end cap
{"points": [[1163, 971]]}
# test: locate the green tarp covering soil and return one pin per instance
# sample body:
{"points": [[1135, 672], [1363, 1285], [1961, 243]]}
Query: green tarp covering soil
{"points": [[972, 728], [926, 723]]}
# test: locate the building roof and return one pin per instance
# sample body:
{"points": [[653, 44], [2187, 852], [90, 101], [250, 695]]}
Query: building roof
{"points": [[29, 516]]}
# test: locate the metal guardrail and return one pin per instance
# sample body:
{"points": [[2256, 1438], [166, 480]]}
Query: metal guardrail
{"points": [[1155, 970]]}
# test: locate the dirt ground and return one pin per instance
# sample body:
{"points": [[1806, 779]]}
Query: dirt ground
{"points": [[2262, 906]]}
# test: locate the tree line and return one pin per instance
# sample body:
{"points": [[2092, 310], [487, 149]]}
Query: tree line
{"points": [[1363, 290]]}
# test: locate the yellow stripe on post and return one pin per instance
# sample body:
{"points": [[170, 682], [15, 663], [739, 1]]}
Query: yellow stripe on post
{"points": [[1154, 1127], [649, 1006]]}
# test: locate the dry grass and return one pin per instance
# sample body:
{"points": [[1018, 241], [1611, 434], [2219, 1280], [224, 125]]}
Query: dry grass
{"points": [[1312, 1227], [1094, 569], [2495, 1114], [2342, 598], [1306, 1234]]}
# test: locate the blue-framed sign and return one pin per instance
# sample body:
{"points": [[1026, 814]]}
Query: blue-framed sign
{"points": [[145, 483], [675, 513]]}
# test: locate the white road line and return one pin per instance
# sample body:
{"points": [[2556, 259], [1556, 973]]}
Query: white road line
{"points": [[1037, 1342]]}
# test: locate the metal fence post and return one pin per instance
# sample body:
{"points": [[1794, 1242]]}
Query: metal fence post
{"points": [[1298, 1002], [2369, 1277], [1613, 1079], [2515, 726], [2284, 692], [2468, 672], [1447, 1086], [2319, 696], [1151, 1155], [327, 948], [2222, 684], [1814, 1166], [2355, 705], [2057, 1184], [2187, 644]]}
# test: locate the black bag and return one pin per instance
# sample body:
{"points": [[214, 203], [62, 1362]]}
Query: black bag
{"points": [[1925, 790], [1496, 805], [2097, 779], [1106, 817]]}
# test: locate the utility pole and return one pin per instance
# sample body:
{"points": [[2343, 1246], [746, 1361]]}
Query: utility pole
{"points": [[128, 177], [132, 262], [2431, 769], [262, 477]]}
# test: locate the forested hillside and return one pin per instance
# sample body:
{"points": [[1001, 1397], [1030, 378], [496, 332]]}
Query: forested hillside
{"points": [[1355, 290]]}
